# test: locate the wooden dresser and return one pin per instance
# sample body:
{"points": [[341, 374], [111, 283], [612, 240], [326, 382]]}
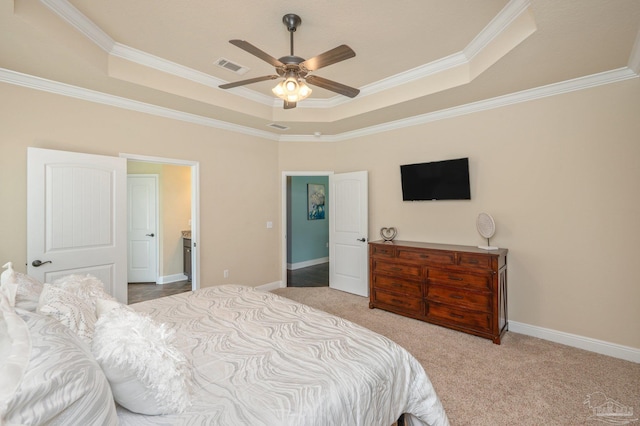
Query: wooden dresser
{"points": [[459, 287]]}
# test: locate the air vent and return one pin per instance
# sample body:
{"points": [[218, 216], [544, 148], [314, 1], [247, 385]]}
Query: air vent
{"points": [[278, 126], [231, 66]]}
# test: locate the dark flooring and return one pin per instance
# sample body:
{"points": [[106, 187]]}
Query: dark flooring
{"points": [[139, 292], [312, 276]]}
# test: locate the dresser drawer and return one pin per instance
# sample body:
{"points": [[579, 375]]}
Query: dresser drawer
{"points": [[397, 268], [381, 250], [474, 260], [426, 256], [459, 297], [401, 303], [398, 285], [475, 320], [455, 279]]}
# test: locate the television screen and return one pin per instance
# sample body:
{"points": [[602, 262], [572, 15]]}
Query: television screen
{"points": [[438, 180]]}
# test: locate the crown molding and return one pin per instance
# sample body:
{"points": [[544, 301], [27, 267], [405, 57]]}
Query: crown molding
{"points": [[80, 22], [573, 85], [38, 83], [498, 24], [155, 62], [55, 87]]}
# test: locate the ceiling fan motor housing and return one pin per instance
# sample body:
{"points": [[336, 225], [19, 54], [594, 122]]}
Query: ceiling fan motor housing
{"points": [[292, 21]]}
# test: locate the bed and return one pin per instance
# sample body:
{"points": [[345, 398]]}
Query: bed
{"points": [[254, 358]]}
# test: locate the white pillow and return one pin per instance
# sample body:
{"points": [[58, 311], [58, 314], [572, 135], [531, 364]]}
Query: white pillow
{"points": [[62, 383], [28, 291], [71, 310], [15, 347], [147, 374], [86, 287]]}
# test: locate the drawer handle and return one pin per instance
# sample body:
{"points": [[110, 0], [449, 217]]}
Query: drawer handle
{"points": [[424, 256], [395, 268], [455, 278], [456, 296], [474, 261], [399, 302], [456, 315], [396, 285]]}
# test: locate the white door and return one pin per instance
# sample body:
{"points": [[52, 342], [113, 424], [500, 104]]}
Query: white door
{"points": [[76, 215], [348, 233], [142, 230]]}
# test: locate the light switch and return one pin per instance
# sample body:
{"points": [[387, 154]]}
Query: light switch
{"points": [[269, 224]]}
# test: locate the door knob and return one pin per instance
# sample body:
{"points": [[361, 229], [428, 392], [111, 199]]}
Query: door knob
{"points": [[37, 262], [151, 235], [362, 239]]}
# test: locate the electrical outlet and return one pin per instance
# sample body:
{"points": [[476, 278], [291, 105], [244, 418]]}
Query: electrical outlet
{"points": [[269, 224], [226, 273]]}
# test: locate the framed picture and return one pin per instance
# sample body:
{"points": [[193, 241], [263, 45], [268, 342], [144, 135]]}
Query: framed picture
{"points": [[315, 201]]}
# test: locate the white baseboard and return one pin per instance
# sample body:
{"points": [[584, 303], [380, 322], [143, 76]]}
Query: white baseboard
{"points": [[271, 286], [598, 346], [168, 279], [307, 263]]}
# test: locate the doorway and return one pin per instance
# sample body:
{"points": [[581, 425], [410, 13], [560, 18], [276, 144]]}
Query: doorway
{"points": [[306, 225], [177, 225], [348, 230]]}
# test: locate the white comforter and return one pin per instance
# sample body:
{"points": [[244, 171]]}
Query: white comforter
{"points": [[260, 359]]}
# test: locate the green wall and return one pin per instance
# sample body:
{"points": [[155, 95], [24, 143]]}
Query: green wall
{"points": [[306, 239]]}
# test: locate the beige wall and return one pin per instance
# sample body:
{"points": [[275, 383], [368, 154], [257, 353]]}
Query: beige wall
{"points": [[174, 193], [561, 177], [239, 181]]}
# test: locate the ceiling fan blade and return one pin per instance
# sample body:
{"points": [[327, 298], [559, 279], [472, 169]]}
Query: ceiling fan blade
{"points": [[289, 105], [249, 81], [329, 57], [332, 85], [248, 47]]}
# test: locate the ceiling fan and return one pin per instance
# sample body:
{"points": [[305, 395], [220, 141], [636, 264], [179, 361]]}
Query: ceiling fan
{"points": [[295, 69]]}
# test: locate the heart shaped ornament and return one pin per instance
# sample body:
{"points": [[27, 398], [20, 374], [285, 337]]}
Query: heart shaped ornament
{"points": [[388, 234]]}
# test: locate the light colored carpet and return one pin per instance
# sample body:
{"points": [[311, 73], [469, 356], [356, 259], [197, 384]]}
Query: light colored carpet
{"points": [[523, 381]]}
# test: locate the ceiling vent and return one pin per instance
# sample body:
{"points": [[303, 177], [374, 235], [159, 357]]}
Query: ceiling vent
{"points": [[278, 126], [231, 66]]}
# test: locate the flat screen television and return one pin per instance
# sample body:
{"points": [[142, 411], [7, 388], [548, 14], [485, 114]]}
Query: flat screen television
{"points": [[437, 180]]}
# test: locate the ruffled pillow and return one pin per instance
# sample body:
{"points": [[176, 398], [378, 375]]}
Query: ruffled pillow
{"points": [[87, 287], [72, 311], [72, 301], [147, 374]]}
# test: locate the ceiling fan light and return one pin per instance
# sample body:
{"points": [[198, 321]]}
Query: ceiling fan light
{"points": [[291, 90], [291, 85], [304, 91], [279, 90]]}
